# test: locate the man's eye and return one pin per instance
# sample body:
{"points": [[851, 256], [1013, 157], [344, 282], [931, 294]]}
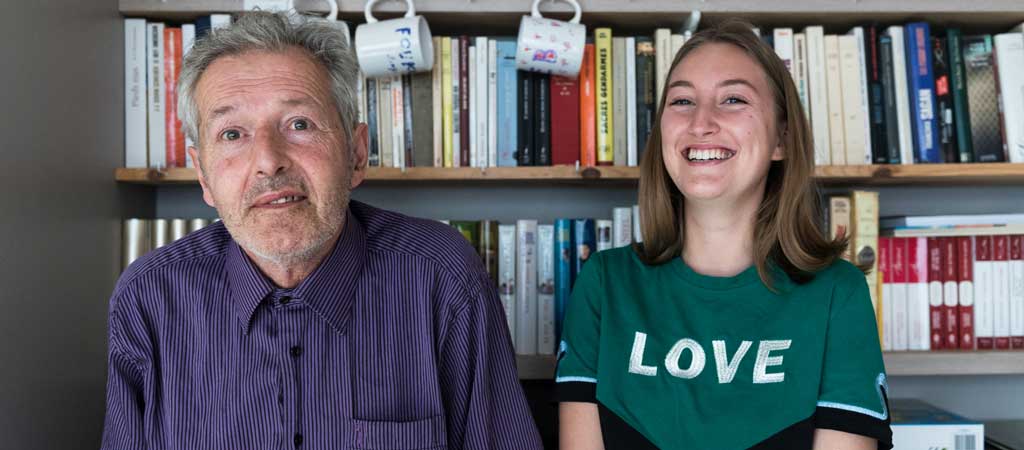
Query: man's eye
{"points": [[230, 135], [300, 124]]}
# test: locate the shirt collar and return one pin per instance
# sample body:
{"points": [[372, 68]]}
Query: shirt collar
{"points": [[328, 290]]}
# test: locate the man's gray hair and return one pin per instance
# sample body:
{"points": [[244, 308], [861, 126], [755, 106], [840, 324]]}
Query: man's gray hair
{"points": [[275, 32]]}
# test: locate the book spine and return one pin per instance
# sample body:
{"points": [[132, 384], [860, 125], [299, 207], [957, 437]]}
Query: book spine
{"points": [[508, 115], [800, 73], [604, 93], [958, 88], [1001, 291], [585, 236], [839, 219], [638, 232], [474, 142], [817, 74], [835, 101], [864, 235], [135, 96], [984, 321], [899, 67], [422, 110], [489, 247], [854, 110], [407, 122], [630, 88], [950, 291], [935, 301], [885, 271], [783, 40], [604, 234], [944, 102], [663, 56], [965, 297], [546, 290], [384, 108], [622, 234], [983, 103], [618, 70], [876, 99], [507, 274], [156, 100], [565, 274], [373, 145], [175, 141], [481, 100], [464, 123], [542, 119], [917, 293], [526, 295], [437, 95], [1009, 51], [492, 103], [397, 122], [1016, 289], [456, 103], [447, 95], [645, 92], [588, 103], [565, 121], [892, 138], [900, 306], [864, 95], [525, 153], [922, 92]]}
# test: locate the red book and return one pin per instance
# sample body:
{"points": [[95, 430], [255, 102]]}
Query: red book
{"points": [[588, 113], [966, 294], [949, 293], [1001, 257], [175, 138], [983, 257], [885, 300], [917, 293], [1017, 309], [464, 101], [936, 308], [565, 120]]}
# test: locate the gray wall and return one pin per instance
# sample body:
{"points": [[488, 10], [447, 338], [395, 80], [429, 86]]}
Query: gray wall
{"points": [[60, 119]]}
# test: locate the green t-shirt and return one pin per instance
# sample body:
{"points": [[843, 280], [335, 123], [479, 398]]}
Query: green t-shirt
{"points": [[699, 362]]}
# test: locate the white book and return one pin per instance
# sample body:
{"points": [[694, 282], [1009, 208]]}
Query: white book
{"points": [[435, 92], [783, 39], [480, 99], [188, 38], [397, 122], [1009, 50], [507, 275], [384, 118], [546, 289], [899, 299], [984, 291], [854, 114], [474, 147], [604, 234], [456, 106], [1016, 289], [663, 60], [219, 20], [492, 103], [638, 235], [526, 296], [902, 93], [135, 148], [918, 426], [155, 95], [676, 42], [620, 152], [919, 327], [887, 313], [631, 150], [816, 74], [1001, 289], [837, 143], [800, 72], [622, 233], [950, 220], [858, 32]]}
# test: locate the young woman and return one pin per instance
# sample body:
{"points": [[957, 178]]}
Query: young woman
{"points": [[735, 324]]}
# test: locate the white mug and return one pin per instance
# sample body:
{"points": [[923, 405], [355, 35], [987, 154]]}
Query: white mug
{"points": [[332, 19], [394, 47], [551, 46]]}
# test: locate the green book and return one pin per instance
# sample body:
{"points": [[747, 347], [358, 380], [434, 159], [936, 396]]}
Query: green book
{"points": [[470, 230], [958, 80]]}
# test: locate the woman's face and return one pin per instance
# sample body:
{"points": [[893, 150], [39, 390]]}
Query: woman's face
{"points": [[719, 127]]}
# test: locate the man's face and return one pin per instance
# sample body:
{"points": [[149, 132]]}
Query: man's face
{"points": [[275, 160]]}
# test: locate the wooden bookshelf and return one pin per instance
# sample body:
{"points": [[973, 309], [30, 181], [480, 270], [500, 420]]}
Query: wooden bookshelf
{"points": [[537, 367], [913, 174]]}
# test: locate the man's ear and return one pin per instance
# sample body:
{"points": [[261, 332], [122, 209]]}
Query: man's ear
{"points": [[201, 175], [359, 155]]}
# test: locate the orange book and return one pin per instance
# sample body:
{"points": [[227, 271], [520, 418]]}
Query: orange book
{"points": [[172, 69], [588, 114]]}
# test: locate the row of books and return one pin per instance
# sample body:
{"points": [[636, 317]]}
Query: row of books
{"points": [[140, 236], [153, 54], [903, 94], [534, 266]]}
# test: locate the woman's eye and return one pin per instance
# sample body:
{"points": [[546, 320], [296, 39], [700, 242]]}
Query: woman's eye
{"points": [[230, 135], [681, 101], [300, 124], [734, 101]]}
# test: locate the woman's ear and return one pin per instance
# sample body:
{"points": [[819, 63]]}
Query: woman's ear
{"points": [[777, 152]]}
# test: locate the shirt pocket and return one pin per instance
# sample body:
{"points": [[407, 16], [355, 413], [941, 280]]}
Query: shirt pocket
{"points": [[423, 434]]}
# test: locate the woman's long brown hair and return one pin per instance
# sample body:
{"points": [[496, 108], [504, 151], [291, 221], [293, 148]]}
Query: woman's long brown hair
{"points": [[786, 232]]}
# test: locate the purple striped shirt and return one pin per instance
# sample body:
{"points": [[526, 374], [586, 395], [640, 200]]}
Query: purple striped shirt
{"points": [[396, 341]]}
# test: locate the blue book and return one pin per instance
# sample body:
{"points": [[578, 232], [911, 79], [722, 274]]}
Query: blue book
{"points": [[508, 118], [565, 273], [921, 84], [585, 237]]}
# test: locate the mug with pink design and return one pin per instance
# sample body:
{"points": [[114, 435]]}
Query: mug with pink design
{"points": [[551, 46]]}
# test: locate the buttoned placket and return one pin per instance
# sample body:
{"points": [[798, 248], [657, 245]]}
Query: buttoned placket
{"points": [[285, 309]]}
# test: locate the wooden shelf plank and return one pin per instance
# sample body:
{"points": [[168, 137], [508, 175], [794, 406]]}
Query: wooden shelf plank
{"points": [[913, 174], [540, 367]]}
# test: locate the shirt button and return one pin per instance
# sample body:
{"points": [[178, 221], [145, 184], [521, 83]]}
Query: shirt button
{"points": [[298, 439], [284, 300], [295, 351]]}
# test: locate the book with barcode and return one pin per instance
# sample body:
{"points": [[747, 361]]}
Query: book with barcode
{"points": [[919, 425]]}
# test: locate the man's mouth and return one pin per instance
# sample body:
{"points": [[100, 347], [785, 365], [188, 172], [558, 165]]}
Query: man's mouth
{"points": [[279, 199]]}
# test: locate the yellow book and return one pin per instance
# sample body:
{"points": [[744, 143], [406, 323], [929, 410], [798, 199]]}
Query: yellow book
{"points": [[446, 98], [605, 131], [839, 219], [864, 243]]}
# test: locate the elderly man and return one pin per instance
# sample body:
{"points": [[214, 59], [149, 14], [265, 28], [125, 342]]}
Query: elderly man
{"points": [[303, 320]]}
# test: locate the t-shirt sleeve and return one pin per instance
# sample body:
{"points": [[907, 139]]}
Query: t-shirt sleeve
{"points": [[576, 374], [853, 395]]}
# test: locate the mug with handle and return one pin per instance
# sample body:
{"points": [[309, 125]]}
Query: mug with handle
{"points": [[551, 46], [394, 47]]}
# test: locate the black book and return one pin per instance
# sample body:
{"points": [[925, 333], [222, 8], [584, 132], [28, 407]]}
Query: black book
{"points": [[524, 93], [371, 122], [542, 119], [944, 101], [876, 100], [892, 131]]}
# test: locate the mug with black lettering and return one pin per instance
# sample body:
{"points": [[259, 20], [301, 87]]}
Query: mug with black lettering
{"points": [[394, 47]]}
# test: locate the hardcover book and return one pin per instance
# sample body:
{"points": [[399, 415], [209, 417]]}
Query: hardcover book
{"points": [[983, 99], [546, 343]]}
